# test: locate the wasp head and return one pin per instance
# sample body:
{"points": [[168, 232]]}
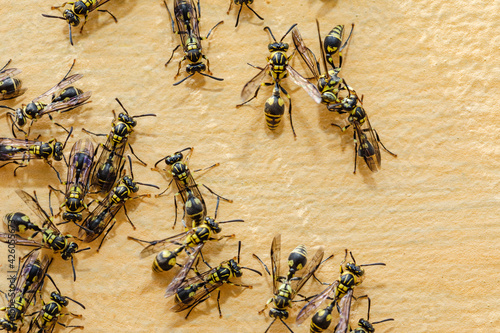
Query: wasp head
{"points": [[366, 325], [19, 118], [171, 159], [58, 298], [72, 217], [214, 226], [70, 250], [58, 151], [276, 313], [355, 269], [196, 68], [71, 17], [7, 325], [273, 47], [235, 268], [125, 118], [130, 184]]}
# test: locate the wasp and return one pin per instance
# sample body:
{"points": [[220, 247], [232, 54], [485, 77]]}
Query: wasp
{"points": [[47, 318], [10, 87], [368, 138], [351, 275], [77, 183], [52, 238], [111, 160], [191, 241], [285, 288], [79, 8], [15, 150], [28, 281], [278, 69], [104, 213], [329, 84], [194, 204], [364, 326], [241, 3], [197, 289], [187, 20], [64, 98]]}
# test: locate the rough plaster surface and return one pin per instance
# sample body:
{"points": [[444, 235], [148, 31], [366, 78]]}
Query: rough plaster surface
{"points": [[429, 72]]}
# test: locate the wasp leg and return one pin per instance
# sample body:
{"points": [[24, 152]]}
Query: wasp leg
{"points": [[355, 151], [107, 232], [229, 9], [179, 69], [107, 11], [387, 150], [210, 31], [289, 108], [172, 55]]}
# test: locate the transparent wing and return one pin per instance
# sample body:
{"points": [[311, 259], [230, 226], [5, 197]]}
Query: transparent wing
{"points": [[19, 240], [15, 149], [367, 145], [315, 303], [23, 273], [179, 280], [345, 312], [61, 85], [99, 219], [9, 72], [275, 262], [302, 82], [200, 294], [158, 245], [35, 207], [65, 106], [305, 273], [81, 158], [306, 53], [252, 85], [117, 161]]}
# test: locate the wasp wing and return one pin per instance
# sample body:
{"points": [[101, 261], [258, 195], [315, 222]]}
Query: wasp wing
{"points": [[306, 53], [367, 145], [16, 149], [99, 219], [302, 82], [35, 207], [19, 240], [275, 262], [9, 72], [251, 86], [311, 307], [117, 161], [304, 274], [65, 106], [345, 312], [80, 164], [179, 281], [158, 245], [61, 85]]}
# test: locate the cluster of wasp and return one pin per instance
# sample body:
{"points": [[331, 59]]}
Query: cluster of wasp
{"points": [[106, 176]]}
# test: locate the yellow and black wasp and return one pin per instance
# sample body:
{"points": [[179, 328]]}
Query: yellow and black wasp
{"points": [[241, 3], [15, 150], [364, 325], [77, 183], [195, 209], [198, 289], [111, 160], [351, 275], [329, 84], [63, 98], [187, 20], [28, 280], [52, 238], [285, 288], [366, 139], [190, 241], [47, 318], [333, 44], [79, 8], [104, 213], [10, 87], [278, 69]]}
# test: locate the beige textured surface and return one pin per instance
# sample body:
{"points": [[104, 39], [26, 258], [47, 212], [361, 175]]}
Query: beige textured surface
{"points": [[429, 71]]}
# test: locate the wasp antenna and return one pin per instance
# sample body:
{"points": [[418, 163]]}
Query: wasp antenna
{"points": [[374, 264], [270, 32], [383, 321], [70, 35], [216, 208], [251, 269], [73, 266], [75, 301], [53, 283], [163, 159], [72, 65], [151, 185], [239, 250], [212, 77], [51, 16], [130, 163], [7, 64], [184, 79], [293, 26], [121, 105], [7, 107], [69, 134]]}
